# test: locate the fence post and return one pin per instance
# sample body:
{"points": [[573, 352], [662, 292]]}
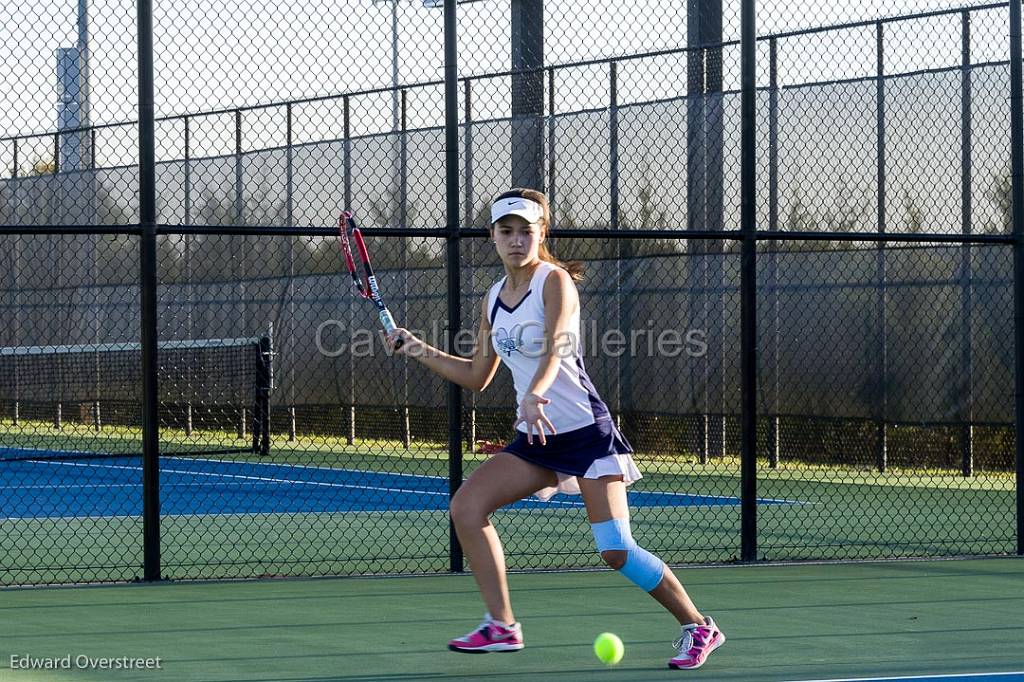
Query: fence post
{"points": [[189, 293], [289, 198], [451, 163], [148, 306], [403, 219], [238, 270], [54, 204], [1017, 188], [705, 188], [15, 162], [882, 376], [467, 178], [527, 59], [964, 393], [620, 253], [552, 167], [748, 282], [347, 160], [774, 422]]}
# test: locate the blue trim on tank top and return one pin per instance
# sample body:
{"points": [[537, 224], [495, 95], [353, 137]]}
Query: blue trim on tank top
{"points": [[498, 303]]}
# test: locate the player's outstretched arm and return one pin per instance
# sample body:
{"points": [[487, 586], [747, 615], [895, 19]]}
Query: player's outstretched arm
{"points": [[474, 372]]}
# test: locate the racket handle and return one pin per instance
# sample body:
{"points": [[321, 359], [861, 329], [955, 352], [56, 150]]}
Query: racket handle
{"points": [[389, 325]]}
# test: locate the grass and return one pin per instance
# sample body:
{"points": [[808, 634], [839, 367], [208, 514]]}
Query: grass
{"points": [[837, 512], [431, 458]]}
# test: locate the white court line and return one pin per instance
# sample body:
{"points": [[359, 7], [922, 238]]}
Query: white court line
{"points": [[916, 677], [698, 497], [445, 478], [278, 481], [305, 466]]}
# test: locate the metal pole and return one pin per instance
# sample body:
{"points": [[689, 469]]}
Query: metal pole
{"points": [[468, 220], [748, 283], [964, 394], [774, 421], [705, 191], [613, 142], [403, 218], [451, 135], [394, 65], [527, 58], [620, 252], [238, 270], [1017, 189], [289, 199], [882, 438], [552, 168], [84, 84], [347, 160], [189, 293], [148, 305]]}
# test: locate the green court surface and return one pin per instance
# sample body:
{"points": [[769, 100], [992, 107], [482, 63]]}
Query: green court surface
{"points": [[783, 622]]}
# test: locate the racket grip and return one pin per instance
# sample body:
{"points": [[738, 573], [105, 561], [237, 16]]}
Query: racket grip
{"points": [[389, 325]]}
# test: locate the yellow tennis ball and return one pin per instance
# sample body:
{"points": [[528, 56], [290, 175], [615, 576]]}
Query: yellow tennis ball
{"points": [[609, 648]]}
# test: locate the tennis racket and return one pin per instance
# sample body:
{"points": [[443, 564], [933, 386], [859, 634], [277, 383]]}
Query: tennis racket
{"points": [[365, 285]]}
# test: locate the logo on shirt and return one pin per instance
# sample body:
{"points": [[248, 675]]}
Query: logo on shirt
{"points": [[509, 342]]}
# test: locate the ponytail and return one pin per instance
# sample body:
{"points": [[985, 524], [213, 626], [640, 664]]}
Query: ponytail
{"points": [[573, 267]]}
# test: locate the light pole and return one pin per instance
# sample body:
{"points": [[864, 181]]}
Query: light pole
{"points": [[394, 60], [73, 105], [427, 4]]}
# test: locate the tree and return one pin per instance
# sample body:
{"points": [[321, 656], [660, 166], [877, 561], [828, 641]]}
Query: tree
{"points": [[1000, 193]]}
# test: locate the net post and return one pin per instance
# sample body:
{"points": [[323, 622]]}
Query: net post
{"points": [[265, 380], [148, 296]]}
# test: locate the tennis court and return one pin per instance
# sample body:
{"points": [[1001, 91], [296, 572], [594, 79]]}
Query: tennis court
{"points": [[783, 240], [933, 620], [201, 487]]}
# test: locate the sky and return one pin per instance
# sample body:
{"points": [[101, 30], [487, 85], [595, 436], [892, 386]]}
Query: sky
{"points": [[218, 54]]}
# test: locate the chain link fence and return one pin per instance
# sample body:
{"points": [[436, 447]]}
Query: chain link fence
{"points": [[811, 346]]}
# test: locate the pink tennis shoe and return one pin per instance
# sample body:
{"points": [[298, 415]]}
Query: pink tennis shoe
{"points": [[489, 636], [695, 644]]}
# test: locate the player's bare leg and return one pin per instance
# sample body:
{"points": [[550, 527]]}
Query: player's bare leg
{"points": [[501, 480]]}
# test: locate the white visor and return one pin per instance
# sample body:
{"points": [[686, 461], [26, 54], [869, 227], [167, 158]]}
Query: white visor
{"points": [[528, 209]]}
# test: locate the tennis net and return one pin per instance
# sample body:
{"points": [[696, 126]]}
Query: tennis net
{"points": [[85, 400]]}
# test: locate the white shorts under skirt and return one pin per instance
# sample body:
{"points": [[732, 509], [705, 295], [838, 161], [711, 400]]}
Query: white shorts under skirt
{"points": [[611, 465]]}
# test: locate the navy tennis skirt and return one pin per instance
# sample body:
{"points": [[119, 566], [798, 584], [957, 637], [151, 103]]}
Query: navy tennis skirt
{"points": [[572, 452]]}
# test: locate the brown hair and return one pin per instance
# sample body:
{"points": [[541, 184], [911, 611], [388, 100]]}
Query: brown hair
{"points": [[574, 268]]}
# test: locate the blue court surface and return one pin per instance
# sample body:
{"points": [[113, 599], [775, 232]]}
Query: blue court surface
{"points": [[113, 487]]}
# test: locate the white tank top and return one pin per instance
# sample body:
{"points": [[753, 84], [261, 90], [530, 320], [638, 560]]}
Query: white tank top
{"points": [[518, 338]]}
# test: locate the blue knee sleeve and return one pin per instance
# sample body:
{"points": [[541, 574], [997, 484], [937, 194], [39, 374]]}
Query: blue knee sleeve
{"points": [[642, 568]]}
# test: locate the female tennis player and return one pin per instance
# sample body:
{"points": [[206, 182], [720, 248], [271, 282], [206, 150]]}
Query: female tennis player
{"points": [[566, 440]]}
